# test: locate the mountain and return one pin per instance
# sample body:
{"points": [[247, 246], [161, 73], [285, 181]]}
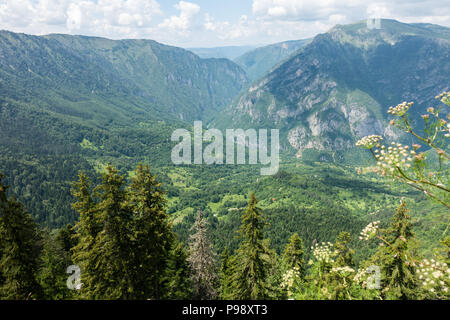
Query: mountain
{"points": [[96, 78], [70, 103], [260, 60], [338, 88], [230, 52]]}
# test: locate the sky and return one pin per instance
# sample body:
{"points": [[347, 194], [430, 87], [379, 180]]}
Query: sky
{"points": [[208, 23]]}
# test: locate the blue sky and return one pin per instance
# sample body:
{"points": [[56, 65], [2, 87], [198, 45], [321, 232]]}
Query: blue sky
{"points": [[208, 23], [222, 10]]}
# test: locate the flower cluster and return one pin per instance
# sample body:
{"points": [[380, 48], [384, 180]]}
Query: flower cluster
{"points": [[361, 277], [394, 156], [444, 97], [368, 278], [369, 142], [400, 109], [343, 271], [290, 277], [435, 276], [369, 231], [324, 252]]}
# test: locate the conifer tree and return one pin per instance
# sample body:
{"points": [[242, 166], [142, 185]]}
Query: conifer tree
{"points": [[344, 254], [340, 278], [66, 236], [152, 234], [249, 280], [54, 262], [20, 249], [293, 255], [202, 260], [395, 257], [124, 238], [86, 231], [104, 251], [274, 272], [225, 273], [113, 243], [177, 279]]}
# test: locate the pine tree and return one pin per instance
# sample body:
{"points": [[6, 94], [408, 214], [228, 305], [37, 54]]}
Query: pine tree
{"points": [[177, 279], [113, 243], [54, 262], [66, 236], [274, 272], [249, 279], [86, 231], [340, 277], [124, 238], [344, 255], [395, 257], [152, 234], [225, 273], [293, 255], [20, 249], [104, 252], [202, 260]]}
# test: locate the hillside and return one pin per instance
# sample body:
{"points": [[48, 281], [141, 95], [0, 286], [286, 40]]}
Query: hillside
{"points": [[229, 52], [73, 103], [111, 81], [70, 103], [338, 88], [260, 60]]}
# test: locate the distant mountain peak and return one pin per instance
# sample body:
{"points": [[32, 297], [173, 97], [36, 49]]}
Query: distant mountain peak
{"points": [[389, 31], [338, 87]]}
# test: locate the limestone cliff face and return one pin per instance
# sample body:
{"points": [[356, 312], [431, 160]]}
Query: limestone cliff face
{"points": [[339, 87]]}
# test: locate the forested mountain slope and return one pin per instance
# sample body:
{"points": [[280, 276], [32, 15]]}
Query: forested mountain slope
{"points": [[70, 103], [260, 60], [102, 80], [338, 88]]}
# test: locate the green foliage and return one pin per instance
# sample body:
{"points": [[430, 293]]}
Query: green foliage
{"points": [[250, 271], [259, 61], [55, 258], [344, 256], [152, 235], [293, 255], [148, 262], [396, 256], [19, 250], [124, 237], [177, 276], [426, 171], [58, 117], [225, 273]]}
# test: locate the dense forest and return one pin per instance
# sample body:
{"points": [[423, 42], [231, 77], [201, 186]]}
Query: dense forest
{"points": [[318, 230], [124, 247]]}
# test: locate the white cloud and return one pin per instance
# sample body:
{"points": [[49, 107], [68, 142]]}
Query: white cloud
{"points": [[321, 10], [16, 12], [181, 23], [277, 11], [269, 20], [112, 18]]}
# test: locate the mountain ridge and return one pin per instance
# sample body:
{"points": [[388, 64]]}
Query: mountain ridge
{"points": [[259, 61], [338, 87], [169, 79]]}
